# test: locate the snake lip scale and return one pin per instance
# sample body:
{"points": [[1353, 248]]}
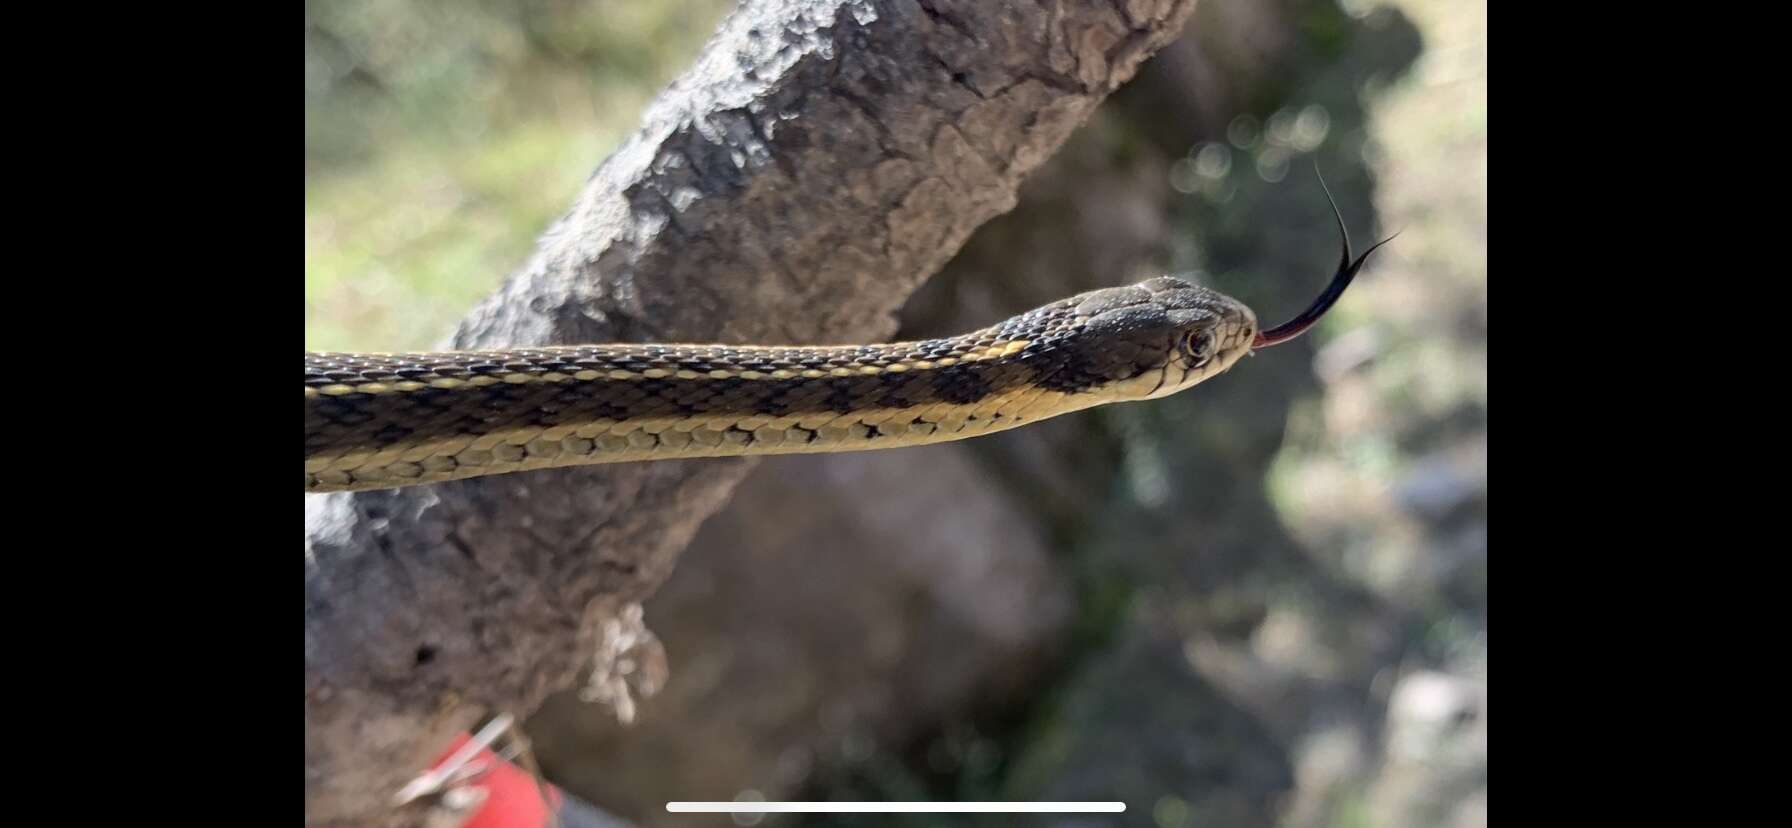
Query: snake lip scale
{"points": [[378, 421]]}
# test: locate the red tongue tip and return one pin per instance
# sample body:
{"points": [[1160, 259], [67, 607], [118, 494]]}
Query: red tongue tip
{"points": [[1264, 340]]}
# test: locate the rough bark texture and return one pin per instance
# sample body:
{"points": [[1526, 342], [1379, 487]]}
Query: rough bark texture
{"points": [[860, 620], [818, 162]]}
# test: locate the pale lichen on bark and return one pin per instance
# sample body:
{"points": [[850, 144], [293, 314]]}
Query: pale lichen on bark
{"points": [[818, 162]]}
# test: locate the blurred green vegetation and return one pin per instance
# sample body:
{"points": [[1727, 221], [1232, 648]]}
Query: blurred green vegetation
{"points": [[443, 136]]}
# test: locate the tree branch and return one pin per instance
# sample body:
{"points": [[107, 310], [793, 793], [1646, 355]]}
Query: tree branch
{"points": [[820, 160]]}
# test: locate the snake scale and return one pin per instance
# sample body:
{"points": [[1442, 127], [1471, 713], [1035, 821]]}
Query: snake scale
{"points": [[375, 421]]}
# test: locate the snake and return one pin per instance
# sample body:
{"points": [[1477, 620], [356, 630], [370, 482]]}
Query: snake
{"points": [[382, 421]]}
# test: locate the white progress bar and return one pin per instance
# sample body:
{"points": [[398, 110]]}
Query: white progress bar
{"points": [[750, 807]]}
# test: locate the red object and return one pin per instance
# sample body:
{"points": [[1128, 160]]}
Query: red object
{"points": [[512, 798]]}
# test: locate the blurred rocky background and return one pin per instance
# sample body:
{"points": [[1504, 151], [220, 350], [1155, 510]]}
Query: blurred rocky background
{"points": [[1260, 602]]}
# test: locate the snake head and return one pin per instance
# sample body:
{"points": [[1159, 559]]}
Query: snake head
{"points": [[1168, 333], [1158, 337]]}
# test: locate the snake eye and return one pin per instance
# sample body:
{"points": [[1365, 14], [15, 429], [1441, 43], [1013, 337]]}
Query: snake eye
{"points": [[1196, 346]]}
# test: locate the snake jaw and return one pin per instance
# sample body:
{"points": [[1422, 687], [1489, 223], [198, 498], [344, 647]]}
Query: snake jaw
{"points": [[1229, 326]]}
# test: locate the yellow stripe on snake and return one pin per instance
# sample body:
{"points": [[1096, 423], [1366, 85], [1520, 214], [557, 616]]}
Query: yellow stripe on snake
{"points": [[376, 421]]}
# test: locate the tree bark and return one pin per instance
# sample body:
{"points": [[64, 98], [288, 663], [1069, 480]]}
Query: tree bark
{"points": [[817, 163]]}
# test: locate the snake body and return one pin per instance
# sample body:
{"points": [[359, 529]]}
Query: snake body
{"points": [[387, 420], [375, 421]]}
